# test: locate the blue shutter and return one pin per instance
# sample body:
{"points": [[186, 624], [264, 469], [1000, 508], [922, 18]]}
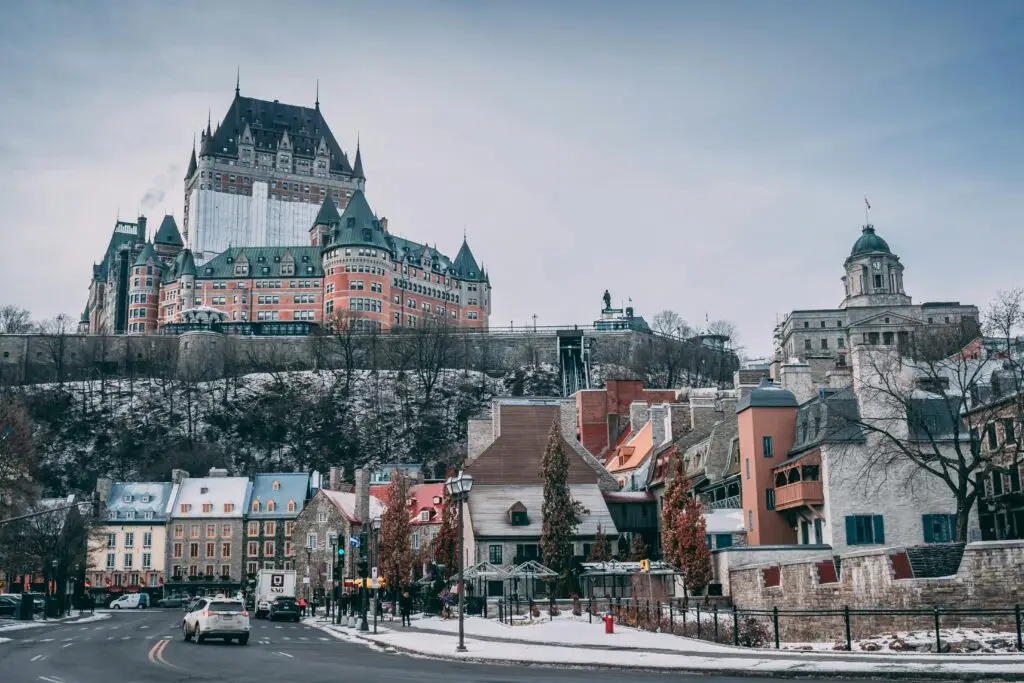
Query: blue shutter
{"points": [[879, 529], [851, 530], [926, 520]]}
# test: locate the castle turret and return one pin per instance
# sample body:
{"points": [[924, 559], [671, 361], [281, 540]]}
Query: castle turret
{"points": [[144, 291], [167, 241], [357, 169], [326, 219]]}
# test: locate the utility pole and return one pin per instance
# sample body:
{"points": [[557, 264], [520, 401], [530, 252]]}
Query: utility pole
{"points": [[534, 323]]}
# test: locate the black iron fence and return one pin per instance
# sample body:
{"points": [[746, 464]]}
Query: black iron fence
{"points": [[726, 624]]}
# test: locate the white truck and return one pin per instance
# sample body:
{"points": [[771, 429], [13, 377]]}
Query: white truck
{"points": [[272, 584]]}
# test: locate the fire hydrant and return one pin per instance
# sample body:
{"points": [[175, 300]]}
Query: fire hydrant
{"points": [[609, 623]]}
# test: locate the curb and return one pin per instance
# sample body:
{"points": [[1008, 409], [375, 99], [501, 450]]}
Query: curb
{"points": [[792, 674]]}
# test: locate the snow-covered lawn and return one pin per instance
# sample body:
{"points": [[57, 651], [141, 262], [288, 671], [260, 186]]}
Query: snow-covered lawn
{"points": [[443, 646], [967, 640], [567, 629]]}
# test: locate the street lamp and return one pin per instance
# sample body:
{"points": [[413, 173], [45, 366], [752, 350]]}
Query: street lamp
{"points": [[309, 580], [375, 563], [458, 488]]}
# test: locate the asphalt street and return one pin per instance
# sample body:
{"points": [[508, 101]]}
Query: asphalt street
{"points": [[145, 646]]}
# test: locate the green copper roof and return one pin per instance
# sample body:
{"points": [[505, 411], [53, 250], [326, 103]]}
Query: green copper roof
{"points": [[264, 262], [188, 264], [168, 233], [869, 243], [358, 227], [146, 254], [465, 264], [328, 214]]}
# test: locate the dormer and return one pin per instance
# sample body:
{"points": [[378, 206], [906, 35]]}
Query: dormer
{"points": [[322, 163], [517, 515], [255, 506], [128, 498], [246, 146], [276, 486], [284, 153], [287, 268]]}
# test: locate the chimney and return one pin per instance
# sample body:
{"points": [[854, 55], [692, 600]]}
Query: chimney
{"points": [[384, 224], [796, 377], [639, 415], [363, 495], [336, 478], [178, 476], [141, 230], [659, 424], [218, 472], [103, 486], [679, 420]]}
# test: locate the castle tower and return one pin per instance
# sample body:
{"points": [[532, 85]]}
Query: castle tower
{"points": [[357, 262], [475, 286], [874, 275], [326, 219], [144, 291], [167, 241]]}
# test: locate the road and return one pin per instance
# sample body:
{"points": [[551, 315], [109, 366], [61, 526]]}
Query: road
{"points": [[145, 646]]}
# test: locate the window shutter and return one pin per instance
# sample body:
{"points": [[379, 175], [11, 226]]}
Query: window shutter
{"points": [[926, 520], [879, 529], [851, 530]]}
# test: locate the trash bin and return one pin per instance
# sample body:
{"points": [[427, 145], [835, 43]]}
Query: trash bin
{"points": [[26, 607], [52, 607]]}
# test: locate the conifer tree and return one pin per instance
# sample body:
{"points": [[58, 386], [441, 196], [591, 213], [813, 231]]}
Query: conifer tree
{"points": [[637, 548], [600, 552], [396, 534], [561, 515]]}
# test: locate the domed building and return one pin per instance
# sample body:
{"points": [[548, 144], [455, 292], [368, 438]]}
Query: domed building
{"points": [[875, 309]]}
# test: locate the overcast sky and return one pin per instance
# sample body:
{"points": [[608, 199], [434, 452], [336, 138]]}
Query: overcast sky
{"points": [[709, 158]]}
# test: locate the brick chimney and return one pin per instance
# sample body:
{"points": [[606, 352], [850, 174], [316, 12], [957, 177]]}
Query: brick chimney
{"points": [[178, 476], [796, 377], [336, 478], [218, 472]]}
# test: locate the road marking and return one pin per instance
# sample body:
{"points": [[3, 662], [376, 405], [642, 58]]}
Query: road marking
{"points": [[144, 626], [324, 639], [37, 658], [67, 645], [51, 679], [285, 654], [285, 638], [156, 654], [46, 640], [67, 639], [126, 638]]}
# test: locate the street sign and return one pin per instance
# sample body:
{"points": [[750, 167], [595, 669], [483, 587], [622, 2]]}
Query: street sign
{"points": [[305, 580], [354, 542], [374, 574]]}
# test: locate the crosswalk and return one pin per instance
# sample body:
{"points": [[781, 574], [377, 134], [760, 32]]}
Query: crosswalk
{"points": [[85, 634]]}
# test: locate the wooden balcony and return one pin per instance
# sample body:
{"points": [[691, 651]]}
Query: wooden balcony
{"points": [[798, 494]]}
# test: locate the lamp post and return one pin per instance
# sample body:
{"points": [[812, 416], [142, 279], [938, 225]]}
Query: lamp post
{"points": [[458, 488], [309, 580], [375, 564]]}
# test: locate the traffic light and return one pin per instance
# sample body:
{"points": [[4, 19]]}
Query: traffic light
{"points": [[363, 567], [645, 565], [341, 553]]}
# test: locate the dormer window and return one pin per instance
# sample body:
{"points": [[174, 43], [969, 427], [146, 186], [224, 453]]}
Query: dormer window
{"points": [[276, 486], [128, 498], [351, 222], [204, 490], [130, 514], [517, 515], [241, 269], [255, 506], [260, 259], [291, 506], [271, 506], [424, 515], [112, 514], [146, 498], [437, 500]]}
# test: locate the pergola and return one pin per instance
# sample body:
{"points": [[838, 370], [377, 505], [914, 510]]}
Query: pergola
{"points": [[485, 571], [531, 570], [615, 569]]}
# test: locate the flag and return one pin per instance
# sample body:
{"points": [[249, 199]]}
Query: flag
{"points": [[866, 203]]}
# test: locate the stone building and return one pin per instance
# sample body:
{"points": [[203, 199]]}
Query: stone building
{"points": [[875, 309], [205, 532], [275, 502]]}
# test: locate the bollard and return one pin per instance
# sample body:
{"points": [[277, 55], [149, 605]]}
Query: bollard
{"points": [[846, 619], [1020, 642], [716, 623], [698, 622], [775, 625], [938, 634], [735, 626]]}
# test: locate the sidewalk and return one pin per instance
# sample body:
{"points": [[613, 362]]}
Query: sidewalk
{"points": [[14, 625], [689, 655]]}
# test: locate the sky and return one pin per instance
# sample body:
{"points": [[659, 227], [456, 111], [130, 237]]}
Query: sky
{"points": [[710, 158]]}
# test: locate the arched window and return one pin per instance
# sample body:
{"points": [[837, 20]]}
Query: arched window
{"points": [[270, 506], [291, 506], [277, 486], [255, 506]]}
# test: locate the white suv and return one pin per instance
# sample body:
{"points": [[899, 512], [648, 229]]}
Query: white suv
{"points": [[217, 617]]}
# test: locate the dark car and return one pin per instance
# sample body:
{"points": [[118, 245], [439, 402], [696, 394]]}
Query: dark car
{"points": [[284, 608], [8, 606], [174, 601]]}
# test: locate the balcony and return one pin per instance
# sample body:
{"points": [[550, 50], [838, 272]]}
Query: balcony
{"points": [[730, 503], [798, 494]]}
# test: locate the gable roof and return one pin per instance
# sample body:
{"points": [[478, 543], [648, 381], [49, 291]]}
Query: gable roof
{"points": [[216, 491], [269, 123], [139, 498], [515, 456], [634, 452], [345, 501], [292, 486], [489, 507], [422, 496]]}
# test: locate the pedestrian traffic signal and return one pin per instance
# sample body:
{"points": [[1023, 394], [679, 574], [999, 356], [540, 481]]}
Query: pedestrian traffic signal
{"points": [[645, 565]]}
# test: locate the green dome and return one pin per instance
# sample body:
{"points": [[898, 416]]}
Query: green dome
{"points": [[869, 242]]}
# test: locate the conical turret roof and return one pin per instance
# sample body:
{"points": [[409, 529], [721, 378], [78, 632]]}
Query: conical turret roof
{"points": [[168, 233], [465, 264], [328, 214], [188, 264], [146, 254]]}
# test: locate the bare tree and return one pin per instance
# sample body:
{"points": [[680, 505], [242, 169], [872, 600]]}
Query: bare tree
{"points": [[15, 320], [432, 347], [922, 416], [18, 457], [54, 333], [672, 324]]}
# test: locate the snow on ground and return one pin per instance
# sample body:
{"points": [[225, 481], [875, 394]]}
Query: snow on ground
{"points": [[21, 625], [443, 646], [569, 630], [966, 640]]}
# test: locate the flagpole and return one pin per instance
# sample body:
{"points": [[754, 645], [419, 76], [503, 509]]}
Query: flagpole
{"points": [[867, 208]]}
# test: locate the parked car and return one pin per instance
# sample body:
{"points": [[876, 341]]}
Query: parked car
{"points": [[217, 617], [284, 607], [8, 606], [177, 600], [131, 601]]}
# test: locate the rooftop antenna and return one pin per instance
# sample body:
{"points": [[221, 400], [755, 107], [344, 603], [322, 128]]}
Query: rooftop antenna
{"points": [[867, 209]]}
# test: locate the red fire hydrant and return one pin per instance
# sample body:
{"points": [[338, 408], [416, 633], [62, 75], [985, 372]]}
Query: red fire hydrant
{"points": [[609, 623]]}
